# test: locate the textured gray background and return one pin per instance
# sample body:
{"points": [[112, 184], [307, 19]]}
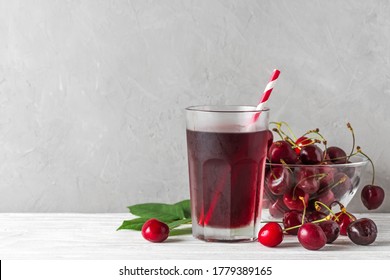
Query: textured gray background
{"points": [[92, 92]]}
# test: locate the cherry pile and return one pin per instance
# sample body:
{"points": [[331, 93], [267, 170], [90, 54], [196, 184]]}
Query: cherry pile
{"points": [[307, 167], [316, 229], [304, 179]]}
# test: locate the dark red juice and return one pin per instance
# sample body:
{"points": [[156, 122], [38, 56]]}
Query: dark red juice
{"points": [[226, 176]]}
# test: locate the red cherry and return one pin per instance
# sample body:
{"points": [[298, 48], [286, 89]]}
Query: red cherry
{"points": [[343, 219], [155, 231], [315, 215], [362, 231], [326, 197], [372, 196], [344, 184], [329, 172], [277, 209], [300, 142], [336, 155], [307, 179], [291, 219], [278, 180], [282, 151], [293, 202], [349, 170], [331, 230], [271, 234], [311, 236], [311, 154]]}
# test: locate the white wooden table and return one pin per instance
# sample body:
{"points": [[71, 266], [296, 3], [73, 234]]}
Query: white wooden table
{"points": [[94, 236]]}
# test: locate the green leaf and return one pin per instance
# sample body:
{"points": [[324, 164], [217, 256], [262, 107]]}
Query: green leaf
{"points": [[174, 215], [134, 224], [161, 211], [186, 206], [177, 223], [180, 231]]}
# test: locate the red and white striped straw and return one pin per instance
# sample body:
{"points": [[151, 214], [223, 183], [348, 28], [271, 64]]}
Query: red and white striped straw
{"points": [[266, 94], [268, 89]]}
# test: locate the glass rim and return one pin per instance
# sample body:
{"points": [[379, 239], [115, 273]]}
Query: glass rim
{"points": [[226, 109], [362, 161]]}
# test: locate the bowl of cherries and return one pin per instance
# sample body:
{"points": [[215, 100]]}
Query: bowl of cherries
{"points": [[305, 177]]}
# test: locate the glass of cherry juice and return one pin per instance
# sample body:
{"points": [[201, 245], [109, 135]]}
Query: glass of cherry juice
{"points": [[227, 148]]}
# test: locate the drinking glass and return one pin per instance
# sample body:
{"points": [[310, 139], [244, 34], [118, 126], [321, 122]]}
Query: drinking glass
{"points": [[227, 148]]}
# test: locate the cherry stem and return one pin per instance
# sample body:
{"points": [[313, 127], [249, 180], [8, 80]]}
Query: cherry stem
{"points": [[343, 210], [327, 218], [304, 209], [337, 158], [324, 205], [289, 130], [290, 141], [312, 141], [339, 204], [353, 139], [286, 166], [278, 132], [346, 213], [282, 134], [290, 228], [279, 125], [346, 157], [359, 150], [317, 132], [327, 188], [272, 172]]}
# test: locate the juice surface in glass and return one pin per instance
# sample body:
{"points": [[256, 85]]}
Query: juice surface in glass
{"points": [[226, 160]]}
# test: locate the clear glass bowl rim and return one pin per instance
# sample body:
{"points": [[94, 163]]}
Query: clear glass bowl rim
{"points": [[362, 161], [226, 108]]}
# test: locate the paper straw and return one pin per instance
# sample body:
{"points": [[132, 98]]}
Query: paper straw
{"points": [[267, 92], [268, 89]]}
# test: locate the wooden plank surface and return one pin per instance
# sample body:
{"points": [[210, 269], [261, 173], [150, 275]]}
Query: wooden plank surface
{"points": [[94, 236]]}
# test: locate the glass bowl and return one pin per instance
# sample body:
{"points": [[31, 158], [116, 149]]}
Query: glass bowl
{"points": [[295, 186]]}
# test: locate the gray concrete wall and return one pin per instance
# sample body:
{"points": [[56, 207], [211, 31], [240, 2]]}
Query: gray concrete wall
{"points": [[92, 92]]}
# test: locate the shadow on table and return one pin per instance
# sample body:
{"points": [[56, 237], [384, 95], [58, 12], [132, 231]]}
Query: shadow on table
{"points": [[340, 245], [175, 240]]}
